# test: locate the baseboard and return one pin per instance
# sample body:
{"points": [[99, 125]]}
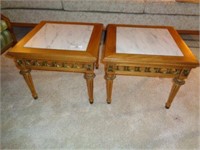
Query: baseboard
{"points": [[193, 32], [18, 24]]}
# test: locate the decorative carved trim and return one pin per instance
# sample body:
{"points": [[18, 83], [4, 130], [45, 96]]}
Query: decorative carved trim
{"points": [[186, 72], [149, 69], [89, 75], [110, 77], [22, 72], [156, 70], [110, 68], [54, 64], [178, 81]]}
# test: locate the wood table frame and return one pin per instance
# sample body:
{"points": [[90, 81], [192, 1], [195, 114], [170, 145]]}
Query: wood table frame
{"points": [[28, 59], [176, 67]]}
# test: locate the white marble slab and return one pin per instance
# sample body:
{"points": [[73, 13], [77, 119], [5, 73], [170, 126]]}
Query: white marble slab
{"points": [[148, 41], [61, 37]]}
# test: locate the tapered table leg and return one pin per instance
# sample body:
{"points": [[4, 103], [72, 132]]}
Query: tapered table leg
{"points": [[109, 84], [97, 64], [27, 76], [176, 85], [89, 79], [97, 61]]}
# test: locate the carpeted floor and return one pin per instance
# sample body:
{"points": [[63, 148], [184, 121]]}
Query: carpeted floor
{"points": [[62, 117]]}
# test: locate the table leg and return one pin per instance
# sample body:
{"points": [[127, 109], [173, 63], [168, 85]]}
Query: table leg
{"points": [[176, 85], [27, 76], [89, 79], [109, 84], [97, 61]]}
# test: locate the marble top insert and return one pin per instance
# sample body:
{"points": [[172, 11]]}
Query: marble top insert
{"points": [[149, 41], [61, 37]]}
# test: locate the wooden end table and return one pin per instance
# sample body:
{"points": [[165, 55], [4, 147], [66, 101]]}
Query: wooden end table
{"points": [[152, 51], [59, 46]]}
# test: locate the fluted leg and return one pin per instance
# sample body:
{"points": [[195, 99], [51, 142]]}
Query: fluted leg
{"points": [[27, 77], [89, 79], [109, 84], [176, 85]]}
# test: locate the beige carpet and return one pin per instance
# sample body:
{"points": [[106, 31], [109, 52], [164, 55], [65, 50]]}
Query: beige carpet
{"points": [[62, 117]]}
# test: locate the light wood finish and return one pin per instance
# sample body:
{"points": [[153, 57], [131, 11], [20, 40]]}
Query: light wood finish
{"points": [[28, 59], [89, 79], [177, 67], [176, 85], [27, 77], [109, 84]]}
